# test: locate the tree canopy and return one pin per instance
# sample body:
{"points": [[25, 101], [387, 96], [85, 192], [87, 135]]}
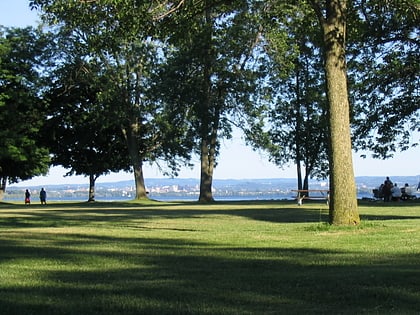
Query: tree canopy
{"points": [[22, 110], [380, 41], [384, 72], [209, 75], [121, 37], [82, 135], [296, 127]]}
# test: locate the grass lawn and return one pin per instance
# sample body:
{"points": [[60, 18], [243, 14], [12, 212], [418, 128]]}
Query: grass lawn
{"points": [[265, 257]]}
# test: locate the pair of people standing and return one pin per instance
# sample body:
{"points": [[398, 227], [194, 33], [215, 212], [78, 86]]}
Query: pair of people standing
{"points": [[42, 197]]}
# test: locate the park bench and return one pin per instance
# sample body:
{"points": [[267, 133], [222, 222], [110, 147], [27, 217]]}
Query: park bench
{"points": [[323, 194]]}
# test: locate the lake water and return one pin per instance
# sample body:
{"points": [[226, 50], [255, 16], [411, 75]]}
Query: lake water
{"points": [[182, 198]]}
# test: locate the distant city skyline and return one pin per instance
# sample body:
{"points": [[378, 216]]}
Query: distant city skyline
{"points": [[236, 160]]}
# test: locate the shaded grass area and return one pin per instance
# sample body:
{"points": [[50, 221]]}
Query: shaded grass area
{"points": [[265, 257]]}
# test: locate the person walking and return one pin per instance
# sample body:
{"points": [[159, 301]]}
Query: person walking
{"points": [[43, 196], [27, 197]]}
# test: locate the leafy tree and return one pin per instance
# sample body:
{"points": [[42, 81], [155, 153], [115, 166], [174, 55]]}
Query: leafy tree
{"points": [[120, 37], [296, 126], [331, 16], [22, 111], [380, 38], [82, 136], [209, 73]]}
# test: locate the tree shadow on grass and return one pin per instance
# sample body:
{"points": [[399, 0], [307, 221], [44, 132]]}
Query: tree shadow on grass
{"points": [[381, 203], [176, 276], [74, 217], [82, 213], [373, 217], [168, 276]]}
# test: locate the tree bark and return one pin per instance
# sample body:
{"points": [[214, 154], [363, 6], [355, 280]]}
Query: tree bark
{"points": [[306, 181], [131, 135], [343, 199], [299, 173], [3, 184], [141, 192], [92, 180], [206, 174], [209, 120], [298, 141]]}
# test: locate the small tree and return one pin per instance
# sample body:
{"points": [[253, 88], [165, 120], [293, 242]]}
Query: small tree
{"points": [[81, 135]]}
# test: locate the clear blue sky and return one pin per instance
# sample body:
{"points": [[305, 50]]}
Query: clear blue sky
{"points": [[236, 159]]}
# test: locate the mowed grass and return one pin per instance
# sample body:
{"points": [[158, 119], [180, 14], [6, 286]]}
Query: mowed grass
{"points": [[262, 257]]}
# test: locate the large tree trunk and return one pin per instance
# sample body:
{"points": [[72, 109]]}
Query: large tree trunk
{"points": [[136, 161], [92, 180], [141, 192], [343, 198], [3, 183], [206, 174], [209, 120]]}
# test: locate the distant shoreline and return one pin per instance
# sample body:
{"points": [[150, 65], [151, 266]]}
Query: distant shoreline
{"points": [[413, 179], [178, 189]]}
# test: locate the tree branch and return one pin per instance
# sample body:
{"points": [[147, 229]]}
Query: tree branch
{"points": [[172, 8], [318, 11]]}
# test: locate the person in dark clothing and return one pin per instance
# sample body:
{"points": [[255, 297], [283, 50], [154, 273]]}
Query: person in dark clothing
{"points": [[387, 189], [27, 197], [43, 196]]}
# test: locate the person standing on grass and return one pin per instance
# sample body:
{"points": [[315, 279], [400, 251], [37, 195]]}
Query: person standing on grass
{"points": [[386, 190], [27, 197], [43, 196]]}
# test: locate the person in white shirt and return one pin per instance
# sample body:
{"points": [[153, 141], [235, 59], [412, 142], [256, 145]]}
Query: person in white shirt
{"points": [[396, 192], [407, 192]]}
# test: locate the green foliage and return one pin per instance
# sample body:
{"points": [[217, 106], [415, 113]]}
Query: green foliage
{"points": [[22, 111], [296, 128], [384, 72], [82, 135], [210, 73], [120, 37]]}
